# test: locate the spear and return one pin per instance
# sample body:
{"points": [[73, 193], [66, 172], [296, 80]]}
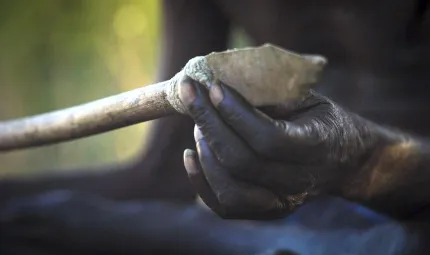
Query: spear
{"points": [[264, 75]]}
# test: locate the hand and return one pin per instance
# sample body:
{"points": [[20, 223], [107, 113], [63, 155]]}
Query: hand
{"points": [[249, 165]]}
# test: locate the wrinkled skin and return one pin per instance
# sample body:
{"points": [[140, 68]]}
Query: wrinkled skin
{"points": [[49, 224], [249, 165]]}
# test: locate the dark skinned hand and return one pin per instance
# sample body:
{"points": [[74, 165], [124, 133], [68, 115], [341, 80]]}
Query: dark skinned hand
{"points": [[252, 165]]}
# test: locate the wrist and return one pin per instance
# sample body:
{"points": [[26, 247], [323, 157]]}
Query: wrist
{"points": [[393, 172]]}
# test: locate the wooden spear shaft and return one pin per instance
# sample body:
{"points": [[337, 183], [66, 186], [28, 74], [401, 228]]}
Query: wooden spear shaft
{"points": [[135, 106]]}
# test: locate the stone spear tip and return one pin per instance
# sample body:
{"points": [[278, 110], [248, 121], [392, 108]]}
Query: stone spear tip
{"points": [[264, 75]]}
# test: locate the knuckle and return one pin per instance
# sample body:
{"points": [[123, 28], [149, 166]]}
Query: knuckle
{"points": [[233, 115], [317, 132], [199, 114], [311, 134]]}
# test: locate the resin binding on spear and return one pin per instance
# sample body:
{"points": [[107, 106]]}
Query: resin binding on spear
{"points": [[265, 75]]}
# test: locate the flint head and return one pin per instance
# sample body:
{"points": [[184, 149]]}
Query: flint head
{"points": [[264, 75]]}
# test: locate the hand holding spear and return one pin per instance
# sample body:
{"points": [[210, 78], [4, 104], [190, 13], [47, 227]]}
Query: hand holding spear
{"points": [[265, 75]]}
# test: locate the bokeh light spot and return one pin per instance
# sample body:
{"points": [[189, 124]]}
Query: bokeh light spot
{"points": [[129, 22]]}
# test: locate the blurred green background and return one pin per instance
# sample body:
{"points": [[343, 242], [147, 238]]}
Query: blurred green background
{"points": [[60, 53]]}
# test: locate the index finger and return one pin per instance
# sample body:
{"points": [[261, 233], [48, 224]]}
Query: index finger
{"points": [[230, 149]]}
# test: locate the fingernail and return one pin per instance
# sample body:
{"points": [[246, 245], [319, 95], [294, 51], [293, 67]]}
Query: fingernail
{"points": [[216, 94], [197, 134], [187, 92], [189, 163]]}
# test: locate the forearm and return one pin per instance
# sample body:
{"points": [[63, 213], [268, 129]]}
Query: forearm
{"points": [[396, 177]]}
